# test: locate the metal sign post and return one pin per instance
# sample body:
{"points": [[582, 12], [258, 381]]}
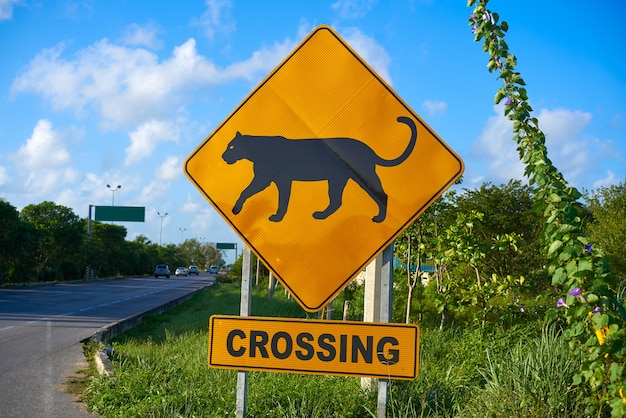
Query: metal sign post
{"points": [[371, 303], [244, 310], [386, 303], [377, 308]]}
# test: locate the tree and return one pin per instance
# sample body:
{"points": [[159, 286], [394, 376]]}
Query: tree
{"points": [[417, 245], [147, 254], [607, 228], [467, 282], [191, 252], [507, 209], [212, 255], [59, 235], [168, 254], [409, 248], [475, 237], [114, 252], [15, 238]]}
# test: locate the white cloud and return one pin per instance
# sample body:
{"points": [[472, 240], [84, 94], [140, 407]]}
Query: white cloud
{"points": [[576, 155], [170, 170], [496, 147], [607, 181], [48, 180], [127, 85], [45, 148], [434, 107], [77, 10], [352, 9], [617, 119], [156, 193], [6, 8], [371, 52], [562, 125], [205, 220], [4, 176], [217, 18], [191, 206], [261, 61], [142, 35], [146, 137]]}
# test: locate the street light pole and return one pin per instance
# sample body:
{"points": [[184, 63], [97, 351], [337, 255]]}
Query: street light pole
{"points": [[182, 230], [113, 189], [161, 233]]}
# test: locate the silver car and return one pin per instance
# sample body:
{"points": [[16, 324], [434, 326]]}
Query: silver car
{"points": [[162, 270]]}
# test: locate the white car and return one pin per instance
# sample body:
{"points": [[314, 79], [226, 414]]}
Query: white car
{"points": [[182, 271], [194, 270]]}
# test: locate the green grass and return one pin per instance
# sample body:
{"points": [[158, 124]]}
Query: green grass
{"points": [[160, 370]]}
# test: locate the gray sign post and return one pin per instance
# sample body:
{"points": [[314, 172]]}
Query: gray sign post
{"points": [[244, 310]]}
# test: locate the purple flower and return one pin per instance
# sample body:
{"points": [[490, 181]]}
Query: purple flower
{"points": [[522, 309], [561, 303], [588, 248], [596, 310], [508, 102], [472, 16], [576, 292], [474, 29]]}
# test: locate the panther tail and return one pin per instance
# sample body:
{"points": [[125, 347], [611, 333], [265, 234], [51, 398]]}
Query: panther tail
{"points": [[409, 149]]}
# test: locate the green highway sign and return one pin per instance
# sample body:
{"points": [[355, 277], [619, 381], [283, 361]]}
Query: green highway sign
{"points": [[120, 213], [226, 246]]}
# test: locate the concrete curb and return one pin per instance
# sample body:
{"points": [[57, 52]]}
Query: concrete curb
{"points": [[107, 333]]}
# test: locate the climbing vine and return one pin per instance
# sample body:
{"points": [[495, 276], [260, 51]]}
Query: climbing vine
{"points": [[595, 317]]}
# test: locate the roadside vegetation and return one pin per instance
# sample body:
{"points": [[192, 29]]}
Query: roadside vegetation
{"points": [[521, 365]]}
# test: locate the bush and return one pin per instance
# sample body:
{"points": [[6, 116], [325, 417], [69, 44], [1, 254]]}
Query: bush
{"points": [[532, 379]]}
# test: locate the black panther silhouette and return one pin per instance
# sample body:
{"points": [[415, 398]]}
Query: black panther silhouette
{"points": [[281, 161]]}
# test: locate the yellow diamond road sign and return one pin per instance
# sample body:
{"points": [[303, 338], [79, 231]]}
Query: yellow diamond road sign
{"points": [[321, 167]]}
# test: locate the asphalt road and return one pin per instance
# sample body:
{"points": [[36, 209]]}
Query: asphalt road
{"points": [[41, 327]]}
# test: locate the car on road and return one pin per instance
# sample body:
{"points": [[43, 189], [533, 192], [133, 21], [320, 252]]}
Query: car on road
{"points": [[162, 270], [194, 270], [182, 271], [212, 269]]}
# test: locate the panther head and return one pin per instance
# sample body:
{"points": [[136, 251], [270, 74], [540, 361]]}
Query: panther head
{"points": [[234, 150]]}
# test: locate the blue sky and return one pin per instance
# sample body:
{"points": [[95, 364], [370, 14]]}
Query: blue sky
{"points": [[121, 92]]}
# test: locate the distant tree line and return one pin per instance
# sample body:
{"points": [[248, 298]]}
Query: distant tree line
{"points": [[49, 242], [494, 231]]}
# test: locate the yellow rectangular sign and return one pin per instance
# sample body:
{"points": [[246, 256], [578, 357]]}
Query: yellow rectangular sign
{"points": [[341, 348]]}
